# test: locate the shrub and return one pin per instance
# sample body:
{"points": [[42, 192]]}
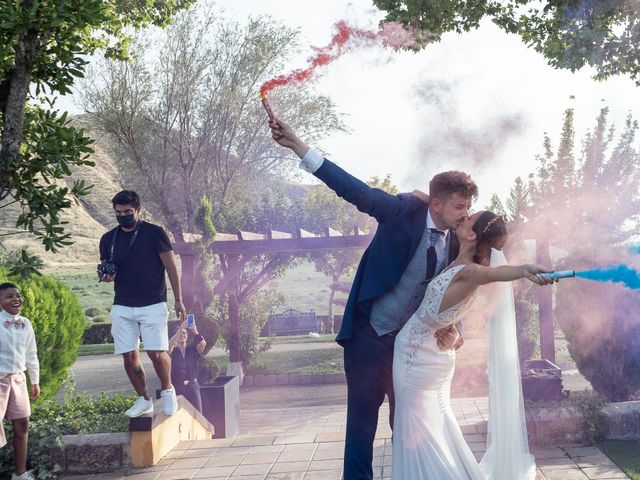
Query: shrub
{"points": [[527, 322], [602, 325], [50, 420], [208, 370], [97, 334], [58, 322], [95, 311]]}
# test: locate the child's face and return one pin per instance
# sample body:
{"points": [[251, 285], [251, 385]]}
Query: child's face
{"points": [[10, 301]]}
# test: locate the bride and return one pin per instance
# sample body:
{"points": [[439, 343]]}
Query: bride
{"points": [[427, 441]]}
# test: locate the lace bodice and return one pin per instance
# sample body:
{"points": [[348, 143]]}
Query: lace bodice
{"points": [[430, 306]]}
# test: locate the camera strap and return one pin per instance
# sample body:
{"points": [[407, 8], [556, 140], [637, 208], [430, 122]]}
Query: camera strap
{"points": [[131, 242]]}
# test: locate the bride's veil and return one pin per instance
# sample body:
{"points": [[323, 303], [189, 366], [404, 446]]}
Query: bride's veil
{"points": [[507, 456]]}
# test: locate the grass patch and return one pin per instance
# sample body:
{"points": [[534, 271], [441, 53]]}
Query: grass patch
{"points": [[97, 349], [301, 361], [625, 454], [282, 340]]}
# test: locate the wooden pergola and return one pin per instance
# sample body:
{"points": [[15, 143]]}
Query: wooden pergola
{"points": [[235, 250]]}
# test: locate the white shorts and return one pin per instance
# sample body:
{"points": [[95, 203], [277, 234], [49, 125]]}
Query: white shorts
{"points": [[128, 324]]}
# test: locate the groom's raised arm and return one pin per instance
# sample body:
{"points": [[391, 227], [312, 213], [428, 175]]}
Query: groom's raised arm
{"points": [[372, 201]]}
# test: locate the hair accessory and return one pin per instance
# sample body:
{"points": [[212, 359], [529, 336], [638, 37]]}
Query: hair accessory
{"points": [[491, 222]]}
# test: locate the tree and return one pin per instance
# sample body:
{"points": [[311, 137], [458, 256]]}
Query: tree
{"points": [[21, 263], [43, 45], [587, 207], [518, 201], [236, 282], [569, 33], [495, 205]]}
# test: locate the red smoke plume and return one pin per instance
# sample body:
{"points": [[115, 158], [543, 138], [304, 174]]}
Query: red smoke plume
{"points": [[391, 33]]}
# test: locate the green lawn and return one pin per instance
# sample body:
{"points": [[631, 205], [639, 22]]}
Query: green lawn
{"points": [[625, 454], [303, 362]]}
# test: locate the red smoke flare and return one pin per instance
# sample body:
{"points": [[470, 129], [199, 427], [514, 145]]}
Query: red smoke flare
{"points": [[323, 56]]}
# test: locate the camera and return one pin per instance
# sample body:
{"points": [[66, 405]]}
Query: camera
{"points": [[106, 268]]}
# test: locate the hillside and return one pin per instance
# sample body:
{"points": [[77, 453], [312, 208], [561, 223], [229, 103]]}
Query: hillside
{"points": [[88, 220]]}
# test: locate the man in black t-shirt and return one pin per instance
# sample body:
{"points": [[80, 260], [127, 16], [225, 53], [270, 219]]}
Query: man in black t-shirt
{"points": [[141, 252]]}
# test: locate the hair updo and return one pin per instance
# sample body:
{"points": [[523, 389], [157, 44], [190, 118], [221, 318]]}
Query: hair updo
{"points": [[491, 232]]}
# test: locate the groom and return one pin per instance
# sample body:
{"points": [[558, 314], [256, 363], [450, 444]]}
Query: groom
{"points": [[412, 244]]}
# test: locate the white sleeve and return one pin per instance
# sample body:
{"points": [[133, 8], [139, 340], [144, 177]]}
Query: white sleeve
{"points": [[31, 358], [311, 161]]}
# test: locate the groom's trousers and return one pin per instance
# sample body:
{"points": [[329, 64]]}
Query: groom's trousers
{"points": [[368, 364]]}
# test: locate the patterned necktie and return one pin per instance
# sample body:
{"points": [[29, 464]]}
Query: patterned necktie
{"points": [[16, 323], [432, 256]]}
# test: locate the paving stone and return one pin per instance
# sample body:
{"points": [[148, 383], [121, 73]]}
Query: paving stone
{"points": [[257, 458], [177, 474], [215, 472], [325, 464], [564, 474], [224, 461], [289, 467], [185, 463], [324, 475], [299, 456], [285, 476], [604, 472], [255, 469]]}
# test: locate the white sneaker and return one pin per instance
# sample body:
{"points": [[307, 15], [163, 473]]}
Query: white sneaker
{"points": [[25, 476], [169, 401], [141, 407]]}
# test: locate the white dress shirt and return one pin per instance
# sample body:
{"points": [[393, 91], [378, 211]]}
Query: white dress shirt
{"points": [[311, 161], [18, 351]]}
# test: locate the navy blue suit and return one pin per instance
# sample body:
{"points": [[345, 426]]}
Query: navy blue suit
{"points": [[367, 357]]}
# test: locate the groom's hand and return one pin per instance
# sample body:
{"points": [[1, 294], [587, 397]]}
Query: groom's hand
{"points": [[448, 337], [285, 136]]}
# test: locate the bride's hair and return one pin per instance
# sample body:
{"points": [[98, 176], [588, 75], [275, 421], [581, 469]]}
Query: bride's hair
{"points": [[491, 232]]}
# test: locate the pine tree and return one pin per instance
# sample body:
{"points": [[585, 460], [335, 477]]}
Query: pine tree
{"points": [[518, 200], [495, 205]]}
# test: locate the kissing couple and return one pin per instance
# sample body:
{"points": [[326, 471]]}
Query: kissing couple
{"points": [[402, 325]]}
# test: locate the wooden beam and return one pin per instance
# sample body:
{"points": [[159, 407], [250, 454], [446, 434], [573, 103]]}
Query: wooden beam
{"points": [[252, 247]]}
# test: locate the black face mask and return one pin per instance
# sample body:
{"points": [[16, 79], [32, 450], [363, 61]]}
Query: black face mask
{"points": [[126, 221]]}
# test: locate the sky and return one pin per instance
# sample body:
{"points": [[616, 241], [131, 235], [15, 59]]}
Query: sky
{"points": [[479, 101]]}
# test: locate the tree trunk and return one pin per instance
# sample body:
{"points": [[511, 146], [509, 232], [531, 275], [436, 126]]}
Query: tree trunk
{"points": [[234, 328], [13, 114]]}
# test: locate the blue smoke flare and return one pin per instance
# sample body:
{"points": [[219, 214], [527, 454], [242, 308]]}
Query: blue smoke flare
{"points": [[620, 274]]}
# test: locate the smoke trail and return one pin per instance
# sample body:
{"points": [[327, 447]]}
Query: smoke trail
{"points": [[634, 250], [451, 138], [620, 274], [391, 33]]}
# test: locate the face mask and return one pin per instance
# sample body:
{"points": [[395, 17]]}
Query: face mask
{"points": [[126, 221]]}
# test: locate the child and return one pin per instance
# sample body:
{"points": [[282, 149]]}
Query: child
{"points": [[17, 353]]}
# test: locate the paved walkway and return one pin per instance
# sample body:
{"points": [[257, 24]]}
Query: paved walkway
{"points": [[307, 443]]}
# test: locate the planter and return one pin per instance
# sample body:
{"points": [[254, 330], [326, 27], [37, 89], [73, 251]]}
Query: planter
{"points": [[221, 405], [541, 380]]}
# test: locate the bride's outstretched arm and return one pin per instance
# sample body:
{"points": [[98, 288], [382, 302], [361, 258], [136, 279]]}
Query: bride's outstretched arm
{"points": [[506, 273]]}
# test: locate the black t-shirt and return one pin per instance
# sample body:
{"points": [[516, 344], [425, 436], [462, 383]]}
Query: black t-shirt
{"points": [[140, 273]]}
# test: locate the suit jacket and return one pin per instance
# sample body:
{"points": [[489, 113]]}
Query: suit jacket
{"points": [[401, 222]]}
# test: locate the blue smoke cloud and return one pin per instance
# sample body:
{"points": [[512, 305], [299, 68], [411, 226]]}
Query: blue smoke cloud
{"points": [[634, 250], [620, 274]]}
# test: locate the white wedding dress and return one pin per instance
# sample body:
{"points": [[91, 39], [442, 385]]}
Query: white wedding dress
{"points": [[427, 440]]}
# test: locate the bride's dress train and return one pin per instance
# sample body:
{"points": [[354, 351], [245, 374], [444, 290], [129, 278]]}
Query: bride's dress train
{"points": [[427, 441]]}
